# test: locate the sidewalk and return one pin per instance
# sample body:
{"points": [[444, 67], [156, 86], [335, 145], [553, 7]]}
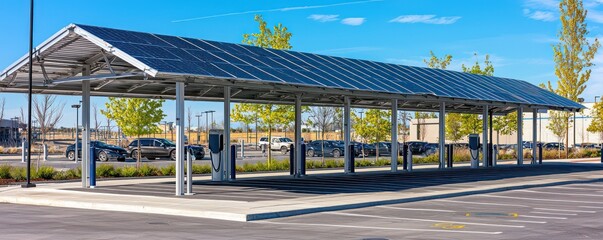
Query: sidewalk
{"points": [[235, 209]]}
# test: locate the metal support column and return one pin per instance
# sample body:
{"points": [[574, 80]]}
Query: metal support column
{"points": [[519, 136], [346, 136], [85, 128], [299, 151], [394, 142], [485, 137], [180, 138], [227, 150], [534, 135], [442, 136]]}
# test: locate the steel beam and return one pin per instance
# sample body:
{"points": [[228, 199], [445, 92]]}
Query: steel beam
{"points": [[485, 137], [180, 138], [534, 134], [394, 140], [519, 136], [298, 135], [227, 152], [85, 129], [346, 135], [442, 135]]}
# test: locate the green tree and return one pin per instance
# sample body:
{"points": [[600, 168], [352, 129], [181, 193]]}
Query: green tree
{"points": [[375, 126], [471, 123], [245, 114], [505, 125], [277, 38], [596, 126], [324, 118], [439, 63], [453, 127], [135, 116], [573, 55], [558, 121]]}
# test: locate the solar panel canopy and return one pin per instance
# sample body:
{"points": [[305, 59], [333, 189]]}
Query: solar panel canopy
{"points": [[162, 55]]}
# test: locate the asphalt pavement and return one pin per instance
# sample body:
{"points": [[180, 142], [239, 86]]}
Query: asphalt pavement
{"points": [[565, 211]]}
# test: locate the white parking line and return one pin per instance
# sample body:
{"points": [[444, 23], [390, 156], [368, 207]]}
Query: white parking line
{"points": [[560, 214], [543, 217], [417, 209], [539, 199], [525, 221], [555, 193], [564, 210], [421, 220], [379, 228], [592, 207], [575, 188], [480, 203]]}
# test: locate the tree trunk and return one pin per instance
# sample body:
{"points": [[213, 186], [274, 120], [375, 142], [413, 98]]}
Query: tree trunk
{"points": [[138, 157], [269, 147], [322, 147]]}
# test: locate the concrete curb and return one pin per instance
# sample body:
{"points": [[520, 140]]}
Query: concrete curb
{"points": [[53, 195]]}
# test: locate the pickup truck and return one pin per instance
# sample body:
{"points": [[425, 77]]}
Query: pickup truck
{"points": [[277, 143]]}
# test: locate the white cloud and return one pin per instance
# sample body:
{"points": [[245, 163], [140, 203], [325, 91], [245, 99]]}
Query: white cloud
{"points": [[545, 16], [276, 10], [595, 16], [323, 18], [428, 19], [542, 4], [353, 21]]}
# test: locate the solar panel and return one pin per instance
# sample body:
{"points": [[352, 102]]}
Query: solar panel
{"points": [[188, 56]]}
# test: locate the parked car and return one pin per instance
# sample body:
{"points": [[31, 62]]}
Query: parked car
{"points": [[587, 146], [553, 146], [416, 147], [384, 148], [430, 149], [153, 148], [103, 152], [369, 149], [357, 147], [331, 148], [282, 144]]}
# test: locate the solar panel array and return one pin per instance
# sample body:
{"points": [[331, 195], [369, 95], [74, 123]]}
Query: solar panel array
{"points": [[188, 56]]}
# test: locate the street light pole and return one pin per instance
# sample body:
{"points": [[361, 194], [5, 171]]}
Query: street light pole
{"points": [[596, 98], [206, 121], [206, 127], [29, 184], [77, 128], [199, 127]]}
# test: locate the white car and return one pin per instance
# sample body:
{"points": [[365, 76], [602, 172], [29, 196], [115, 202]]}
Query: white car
{"points": [[282, 144]]}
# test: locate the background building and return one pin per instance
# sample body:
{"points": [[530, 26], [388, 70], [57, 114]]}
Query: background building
{"points": [[583, 120], [9, 133]]}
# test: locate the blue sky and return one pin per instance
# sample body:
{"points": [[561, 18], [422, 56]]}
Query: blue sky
{"points": [[518, 34]]}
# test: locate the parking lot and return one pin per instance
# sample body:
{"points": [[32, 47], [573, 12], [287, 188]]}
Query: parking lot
{"points": [[564, 210]]}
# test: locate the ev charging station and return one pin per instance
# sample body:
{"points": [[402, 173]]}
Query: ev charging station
{"points": [[216, 146], [474, 150]]}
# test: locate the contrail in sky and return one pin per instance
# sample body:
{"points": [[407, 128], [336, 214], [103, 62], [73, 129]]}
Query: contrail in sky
{"points": [[275, 10]]}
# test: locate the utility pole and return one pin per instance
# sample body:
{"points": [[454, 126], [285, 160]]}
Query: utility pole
{"points": [[199, 127], [206, 121], [29, 184]]}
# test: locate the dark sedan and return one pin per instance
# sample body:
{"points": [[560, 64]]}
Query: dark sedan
{"points": [[103, 152], [331, 148], [153, 148], [417, 147]]}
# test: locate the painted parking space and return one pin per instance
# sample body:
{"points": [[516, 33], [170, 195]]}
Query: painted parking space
{"points": [[512, 214]]}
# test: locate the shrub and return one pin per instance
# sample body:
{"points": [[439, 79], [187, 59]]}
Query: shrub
{"points": [[45, 172], [60, 175], [148, 170], [18, 173], [128, 171], [106, 170], [169, 170], [204, 169], [73, 173], [5, 171]]}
